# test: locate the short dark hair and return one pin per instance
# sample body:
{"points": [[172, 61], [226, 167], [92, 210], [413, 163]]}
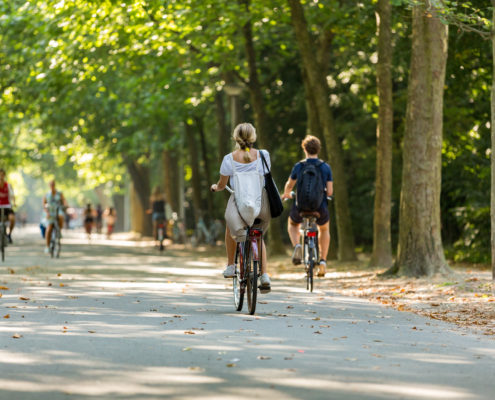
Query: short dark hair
{"points": [[311, 144], [2, 170]]}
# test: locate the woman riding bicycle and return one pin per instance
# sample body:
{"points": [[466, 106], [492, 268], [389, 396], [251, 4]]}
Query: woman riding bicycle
{"points": [[157, 210], [246, 158]]}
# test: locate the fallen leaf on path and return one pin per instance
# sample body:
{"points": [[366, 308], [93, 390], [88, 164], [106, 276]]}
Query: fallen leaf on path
{"points": [[23, 298], [61, 285], [186, 349], [264, 358], [11, 271], [317, 332], [288, 358], [230, 365], [199, 369], [59, 274], [300, 351], [189, 333], [351, 359], [6, 316], [16, 336], [4, 288], [316, 319], [92, 331]]}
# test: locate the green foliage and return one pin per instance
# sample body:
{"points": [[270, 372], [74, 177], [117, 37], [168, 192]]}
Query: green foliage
{"points": [[86, 86]]}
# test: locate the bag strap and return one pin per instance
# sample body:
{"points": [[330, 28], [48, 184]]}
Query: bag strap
{"points": [[265, 164]]}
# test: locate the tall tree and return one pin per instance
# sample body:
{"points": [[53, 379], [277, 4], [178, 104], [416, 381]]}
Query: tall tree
{"points": [[420, 250], [319, 87], [260, 114], [382, 245], [492, 202]]}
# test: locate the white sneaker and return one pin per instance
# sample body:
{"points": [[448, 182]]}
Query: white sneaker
{"points": [[265, 284], [229, 272], [322, 268], [47, 250], [297, 255]]}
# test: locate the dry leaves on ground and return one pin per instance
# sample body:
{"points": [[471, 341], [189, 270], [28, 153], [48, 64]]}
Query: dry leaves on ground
{"points": [[467, 298]]}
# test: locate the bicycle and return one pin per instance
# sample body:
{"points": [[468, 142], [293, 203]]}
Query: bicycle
{"points": [[3, 233], [309, 238], [160, 233], [55, 242], [248, 256]]}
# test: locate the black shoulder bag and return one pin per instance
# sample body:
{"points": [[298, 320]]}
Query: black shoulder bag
{"points": [[276, 206]]}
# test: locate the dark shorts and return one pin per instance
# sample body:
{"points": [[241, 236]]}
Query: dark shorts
{"points": [[8, 211], [158, 216], [322, 220]]}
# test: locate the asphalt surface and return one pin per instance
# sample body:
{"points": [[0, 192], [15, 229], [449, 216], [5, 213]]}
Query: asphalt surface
{"points": [[117, 320]]}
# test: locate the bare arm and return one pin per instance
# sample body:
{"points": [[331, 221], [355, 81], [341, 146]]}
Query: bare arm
{"points": [[329, 188], [220, 185], [289, 185], [12, 196]]}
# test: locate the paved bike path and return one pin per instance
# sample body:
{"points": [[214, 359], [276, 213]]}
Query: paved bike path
{"points": [[121, 322]]}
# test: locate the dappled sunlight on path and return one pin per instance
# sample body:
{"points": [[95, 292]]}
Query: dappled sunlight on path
{"points": [[105, 321]]}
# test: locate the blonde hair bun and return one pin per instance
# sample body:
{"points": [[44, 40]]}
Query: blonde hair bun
{"points": [[244, 136]]}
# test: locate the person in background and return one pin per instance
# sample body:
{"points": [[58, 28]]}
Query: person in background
{"points": [[157, 209], [110, 218], [7, 202], [88, 219], [99, 218], [54, 204]]}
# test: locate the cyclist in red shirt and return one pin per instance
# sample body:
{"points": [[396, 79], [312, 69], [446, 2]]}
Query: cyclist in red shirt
{"points": [[7, 202]]}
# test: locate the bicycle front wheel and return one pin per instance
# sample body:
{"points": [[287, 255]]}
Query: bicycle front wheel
{"points": [[58, 247], [252, 283], [238, 283], [3, 244]]}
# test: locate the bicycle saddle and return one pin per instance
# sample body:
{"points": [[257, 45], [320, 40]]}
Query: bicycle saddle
{"points": [[315, 214]]}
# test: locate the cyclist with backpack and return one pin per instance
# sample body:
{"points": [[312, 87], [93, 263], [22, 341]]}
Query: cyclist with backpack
{"points": [[314, 181], [244, 165]]}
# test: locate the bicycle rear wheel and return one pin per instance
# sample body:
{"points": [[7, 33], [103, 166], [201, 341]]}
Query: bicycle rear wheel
{"points": [[58, 245], [3, 244], [252, 281], [52, 243], [238, 284], [309, 278]]}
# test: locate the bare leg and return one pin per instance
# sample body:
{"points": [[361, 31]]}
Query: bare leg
{"points": [[12, 223], [293, 230], [49, 234], [60, 222], [230, 245], [263, 257], [324, 239]]}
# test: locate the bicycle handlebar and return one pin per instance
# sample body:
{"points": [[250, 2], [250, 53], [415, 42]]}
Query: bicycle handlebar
{"points": [[292, 194]]}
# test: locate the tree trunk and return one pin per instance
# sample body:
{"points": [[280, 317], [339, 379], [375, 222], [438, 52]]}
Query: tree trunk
{"points": [[171, 178], [492, 202], [196, 178], [140, 195], [420, 250], [382, 245], [206, 166], [261, 120], [223, 132], [319, 87]]}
